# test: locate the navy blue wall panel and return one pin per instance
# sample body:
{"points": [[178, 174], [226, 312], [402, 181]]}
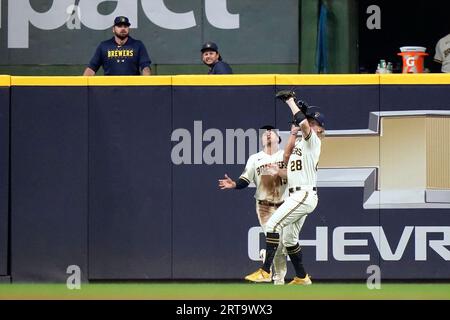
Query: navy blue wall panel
{"points": [[210, 226], [130, 182], [338, 207], [411, 264], [345, 107], [48, 182], [4, 178], [414, 97], [94, 184]]}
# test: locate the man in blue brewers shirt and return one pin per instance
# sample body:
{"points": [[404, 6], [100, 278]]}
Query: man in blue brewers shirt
{"points": [[211, 57], [121, 55]]}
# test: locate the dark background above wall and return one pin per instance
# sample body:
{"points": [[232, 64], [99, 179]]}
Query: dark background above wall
{"points": [[403, 23]]}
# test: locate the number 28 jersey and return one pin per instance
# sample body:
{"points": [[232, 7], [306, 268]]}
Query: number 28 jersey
{"points": [[302, 165]]}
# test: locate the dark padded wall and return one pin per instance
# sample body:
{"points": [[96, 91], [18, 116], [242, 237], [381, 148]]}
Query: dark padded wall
{"points": [[49, 182], [345, 107], [394, 223], [414, 97], [4, 178], [130, 183], [94, 183]]}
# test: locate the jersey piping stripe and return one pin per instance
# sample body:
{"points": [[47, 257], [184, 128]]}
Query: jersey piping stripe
{"points": [[295, 208], [309, 135], [244, 178]]}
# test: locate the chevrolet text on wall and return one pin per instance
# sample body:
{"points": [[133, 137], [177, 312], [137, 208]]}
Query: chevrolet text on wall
{"points": [[73, 13], [343, 237]]}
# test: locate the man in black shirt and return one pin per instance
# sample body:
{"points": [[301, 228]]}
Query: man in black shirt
{"points": [[120, 55], [211, 57]]}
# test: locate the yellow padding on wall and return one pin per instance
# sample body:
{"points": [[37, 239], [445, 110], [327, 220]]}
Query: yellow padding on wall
{"points": [[225, 80], [327, 79], [5, 81], [232, 80], [49, 81], [415, 78], [130, 81]]}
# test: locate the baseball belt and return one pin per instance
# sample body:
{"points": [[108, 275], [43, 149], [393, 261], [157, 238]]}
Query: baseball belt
{"points": [[270, 204], [293, 189]]}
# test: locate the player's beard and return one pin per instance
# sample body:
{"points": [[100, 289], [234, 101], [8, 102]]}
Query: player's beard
{"points": [[121, 35]]}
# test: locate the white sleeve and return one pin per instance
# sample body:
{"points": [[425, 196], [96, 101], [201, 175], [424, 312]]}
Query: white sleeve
{"points": [[280, 156], [312, 140], [438, 55], [249, 171]]}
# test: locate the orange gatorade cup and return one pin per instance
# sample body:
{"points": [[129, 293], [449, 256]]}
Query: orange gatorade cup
{"points": [[413, 59]]}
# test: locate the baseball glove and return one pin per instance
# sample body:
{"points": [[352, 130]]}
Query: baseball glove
{"points": [[285, 95], [303, 105]]}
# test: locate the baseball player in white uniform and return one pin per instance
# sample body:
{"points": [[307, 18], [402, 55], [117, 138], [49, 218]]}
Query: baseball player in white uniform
{"points": [[442, 54], [301, 155], [267, 171]]}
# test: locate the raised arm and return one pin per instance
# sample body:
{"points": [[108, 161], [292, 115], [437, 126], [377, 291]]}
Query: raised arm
{"points": [[290, 144], [300, 116], [298, 108]]}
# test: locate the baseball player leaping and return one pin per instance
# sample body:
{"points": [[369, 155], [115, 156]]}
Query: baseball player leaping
{"points": [[301, 155], [267, 171]]}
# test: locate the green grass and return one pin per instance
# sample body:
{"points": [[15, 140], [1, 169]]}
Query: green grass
{"points": [[226, 291]]}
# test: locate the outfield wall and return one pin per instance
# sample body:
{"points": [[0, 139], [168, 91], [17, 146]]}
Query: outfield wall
{"points": [[4, 172], [94, 184]]}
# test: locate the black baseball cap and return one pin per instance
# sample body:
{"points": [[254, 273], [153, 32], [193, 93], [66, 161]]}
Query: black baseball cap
{"points": [[271, 128], [312, 113], [121, 20], [210, 46]]}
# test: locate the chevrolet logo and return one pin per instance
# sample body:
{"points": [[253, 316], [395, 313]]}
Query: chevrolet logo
{"points": [[402, 160]]}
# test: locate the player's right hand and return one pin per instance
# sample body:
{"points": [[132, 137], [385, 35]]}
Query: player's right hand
{"points": [[270, 170], [226, 183], [294, 129]]}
